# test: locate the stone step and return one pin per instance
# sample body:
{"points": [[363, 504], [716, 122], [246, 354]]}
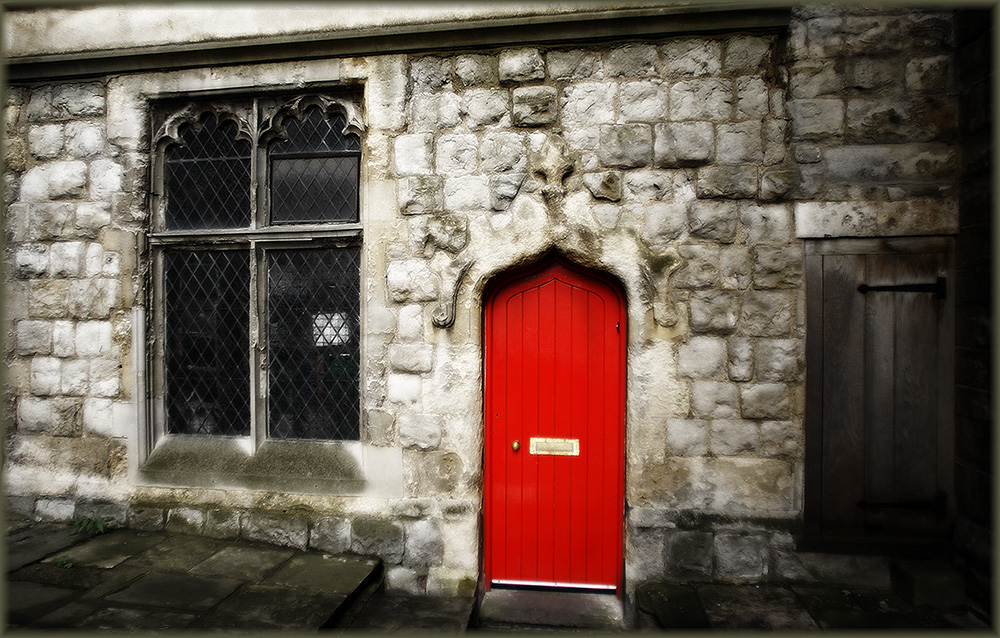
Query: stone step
{"points": [[524, 610], [928, 583]]}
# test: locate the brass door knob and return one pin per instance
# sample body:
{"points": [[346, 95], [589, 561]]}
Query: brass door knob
{"points": [[516, 445]]}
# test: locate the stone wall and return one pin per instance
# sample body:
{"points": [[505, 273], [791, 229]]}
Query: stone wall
{"points": [[689, 168]]}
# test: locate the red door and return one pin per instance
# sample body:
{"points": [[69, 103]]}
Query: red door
{"points": [[554, 448]]}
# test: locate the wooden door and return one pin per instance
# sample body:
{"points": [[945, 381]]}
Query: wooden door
{"points": [[879, 409], [554, 375]]}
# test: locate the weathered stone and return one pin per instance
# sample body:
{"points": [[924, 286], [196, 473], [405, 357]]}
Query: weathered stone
{"points": [[431, 73], [607, 215], [50, 220], [740, 359], [46, 376], [689, 554], [535, 105], [643, 101], [421, 431], [740, 557], [778, 359], [466, 193], [277, 528], [714, 311], [45, 141], [605, 185], [485, 107], [702, 357], [664, 222], [48, 299], [457, 154], [626, 145], [713, 220], [84, 139], [745, 53], [75, 377], [66, 259], [739, 143], [861, 219], [93, 338], [377, 537], [810, 79], [632, 61], [105, 179], [816, 118], [412, 154], [589, 104], [765, 401], [767, 314], [502, 152], [63, 338], [571, 65], [434, 111], [779, 438], [331, 534], [91, 217], [410, 357], [701, 99], [424, 544], [730, 437], [521, 65], [31, 260], [766, 224], [436, 473], [411, 324], [932, 74], [34, 415], [808, 154], [97, 418], [504, 188], [777, 267], [93, 298], [55, 180], [683, 144], [423, 194], [714, 399], [476, 70], [105, 378], [34, 337], [647, 185], [55, 509], [185, 520], [751, 98], [735, 268], [700, 268], [403, 388], [692, 57], [78, 99], [222, 522], [687, 437], [146, 519], [738, 182]]}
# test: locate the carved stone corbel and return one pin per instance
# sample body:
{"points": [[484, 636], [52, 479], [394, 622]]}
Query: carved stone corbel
{"points": [[451, 280]]}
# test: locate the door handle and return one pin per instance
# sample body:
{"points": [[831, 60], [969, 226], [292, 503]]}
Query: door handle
{"points": [[516, 445]]}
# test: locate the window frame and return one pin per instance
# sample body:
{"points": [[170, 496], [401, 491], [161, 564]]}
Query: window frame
{"points": [[258, 119]]}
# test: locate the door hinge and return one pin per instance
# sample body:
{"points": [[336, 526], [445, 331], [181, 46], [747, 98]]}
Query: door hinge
{"points": [[939, 288]]}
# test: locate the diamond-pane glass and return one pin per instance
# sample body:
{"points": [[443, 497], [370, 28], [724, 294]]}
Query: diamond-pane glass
{"points": [[207, 178], [313, 333], [315, 171], [206, 342]]}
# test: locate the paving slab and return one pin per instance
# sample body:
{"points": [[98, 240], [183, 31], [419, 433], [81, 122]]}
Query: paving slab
{"points": [[753, 607], [551, 609], [27, 602], [29, 544], [674, 606], [109, 550], [128, 619], [398, 611], [833, 607], [269, 607], [243, 563], [175, 591], [177, 553], [323, 572]]}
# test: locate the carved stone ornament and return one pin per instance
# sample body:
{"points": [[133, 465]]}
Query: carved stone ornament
{"points": [[193, 114], [553, 162], [275, 116]]}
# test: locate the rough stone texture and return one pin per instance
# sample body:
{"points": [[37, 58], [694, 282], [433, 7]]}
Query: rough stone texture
{"points": [[740, 558], [687, 437], [377, 537], [714, 399], [331, 534], [702, 357], [421, 431], [534, 106], [626, 145]]}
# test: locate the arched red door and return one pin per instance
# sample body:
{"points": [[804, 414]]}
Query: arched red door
{"points": [[554, 375]]}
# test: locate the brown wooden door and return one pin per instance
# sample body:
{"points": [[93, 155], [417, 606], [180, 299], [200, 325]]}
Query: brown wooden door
{"points": [[879, 409]]}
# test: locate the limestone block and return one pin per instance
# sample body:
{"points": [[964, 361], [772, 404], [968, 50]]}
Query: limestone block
{"points": [[714, 399], [222, 522], [55, 509], [410, 357], [48, 298], [815, 78], [857, 219], [739, 143], [607, 215], [665, 222], [767, 314], [741, 359], [714, 311], [431, 473], [879, 72], [63, 338], [765, 401], [687, 437], [378, 537], [477, 70], [779, 359], [50, 220], [604, 185], [404, 579], [738, 182], [745, 53], [93, 338], [632, 61], [46, 376], [31, 260], [521, 65], [571, 65], [644, 554], [433, 111], [421, 194], [816, 118], [45, 141], [278, 528], [713, 220], [97, 417], [683, 144], [34, 415], [689, 554], [752, 98], [484, 107], [146, 519], [701, 99], [78, 99], [692, 57], [807, 154], [421, 431], [39, 105], [424, 545], [535, 106], [91, 217], [92, 298], [66, 259], [55, 180], [411, 324], [740, 557], [105, 378], [647, 185], [504, 187], [385, 92], [777, 267], [457, 154], [105, 179], [626, 145], [732, 484], [933, 74], [777, 182], [643, 101], [702, 357], [882, 163], [412, 154], [777, 101], [589, 104], [34, 337], [84, 140], [780, 438], [768, 224], [331, 534], [430, 73], [466, 193], [501, 152], [735, 268], [75, 377], [700, 268], [734, 436], [403, 388], [93, 260]]}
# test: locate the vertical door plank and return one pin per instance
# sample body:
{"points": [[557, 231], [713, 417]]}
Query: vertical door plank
{"points": [[575, 489], [815, 400], [514, 397], [545, 428], [596, 425]]}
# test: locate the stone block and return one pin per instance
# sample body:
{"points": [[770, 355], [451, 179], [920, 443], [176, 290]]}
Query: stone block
{"points": [[714, 399], [93, 338], [222, 522], [606, 215], [78, 99], [701, 357], [752, 98], [535, 106], [105, 179], [424, 546], [735, 268], [714, 311], [664, 222], [55, 180], [700, 268], [732, 437], [739, 143], [91, 217], [933, 74], [768, 224], [477, 70], [55, 509], [45, 141], [687, 437], [457, 154], [767, 314], [146, 519], [92, 298], [626, 145], [683, 144], [644, 553], [632, 61], [503, 188], [692, 57], [780, 438], [75, 377], [31, 260], [500, 152], [105, 377], [411, 324], [412, 154], [48, 298], [434, 111], [466, 193], [404, 579], [779, 359], [46, 376], [745, 53], [775, 147], [411, 280], [740, 557], [430, 73], [861, 219], [689, 554], [84, 140], [449, 233], [185, 520], [331, 534], [34, 415], [403, 388], [765, 401], [589, 104], [643, 101], [97, 415], [421, 194], [816, 118], [33, 337], [701, 99], [740, 359], [521, 65], [93, 260], [871, 73], [777, 267], [410, 357], [50, 220], [484, 107], [378, 537], [431, 473], [571, 65], [422, 431], [715, 221], [642, 186], [717, 182], [809, 79], [66, 258], [604, 185]]}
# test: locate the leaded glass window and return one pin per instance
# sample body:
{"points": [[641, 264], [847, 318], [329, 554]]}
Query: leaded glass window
{"points": [[256, 279]]}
